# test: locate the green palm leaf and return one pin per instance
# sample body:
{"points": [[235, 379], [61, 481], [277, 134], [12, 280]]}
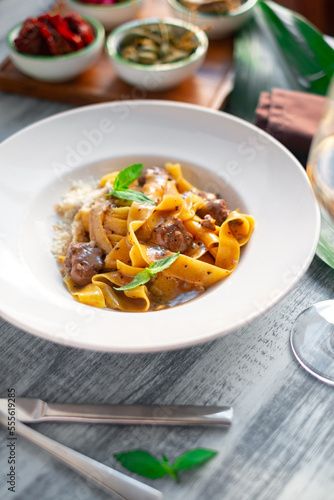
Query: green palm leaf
{"points": [[278, 48]]}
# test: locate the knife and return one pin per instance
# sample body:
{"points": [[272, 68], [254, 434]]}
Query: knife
{"points": [[32, 410], [106, 478]]}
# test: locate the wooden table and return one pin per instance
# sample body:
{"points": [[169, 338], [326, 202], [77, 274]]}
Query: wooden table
{"points": [[280, 446], [208, 87]]}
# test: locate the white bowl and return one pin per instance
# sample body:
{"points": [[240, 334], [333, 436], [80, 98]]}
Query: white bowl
{"points": [[156, 77], [109, 15], [62, 68], [218, 152], [216, 25]]}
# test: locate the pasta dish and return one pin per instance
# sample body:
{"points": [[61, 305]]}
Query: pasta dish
{"points": [[145, 239]]}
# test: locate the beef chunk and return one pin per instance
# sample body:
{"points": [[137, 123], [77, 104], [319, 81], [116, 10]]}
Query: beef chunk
{"points": [[172, 235], [207, 196], [208, 222], [151, 171], [213, 206], [83, 262]]}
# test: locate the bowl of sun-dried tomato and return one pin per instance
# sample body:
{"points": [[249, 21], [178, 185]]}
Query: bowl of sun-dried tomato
{"points": [[54, 48]]}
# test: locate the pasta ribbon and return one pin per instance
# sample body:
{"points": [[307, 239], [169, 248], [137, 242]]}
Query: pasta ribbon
{"points": [[119, 238], [181, 183], [97, 232], [234, 233]]}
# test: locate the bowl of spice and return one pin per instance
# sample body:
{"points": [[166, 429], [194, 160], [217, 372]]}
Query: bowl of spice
{"points": [[110, 13], [219, 18], [156, 54], [55, 48]]}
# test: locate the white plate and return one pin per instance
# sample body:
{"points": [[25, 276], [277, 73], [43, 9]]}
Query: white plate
{"points": [[255, 173]]}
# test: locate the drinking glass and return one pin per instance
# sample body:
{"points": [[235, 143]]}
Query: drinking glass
{"points": [[312, 336]]}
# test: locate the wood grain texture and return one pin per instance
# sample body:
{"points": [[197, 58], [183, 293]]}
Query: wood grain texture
{"points": [[280, 445]]}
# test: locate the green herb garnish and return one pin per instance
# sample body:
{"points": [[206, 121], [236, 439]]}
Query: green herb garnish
{"points": [[128, 176], [124, 179], [150, 272], [143, 463], [128, 194]]}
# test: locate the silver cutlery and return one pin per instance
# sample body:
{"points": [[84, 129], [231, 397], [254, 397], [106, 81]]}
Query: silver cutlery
{"points": [[99, 474], [31, 410]]}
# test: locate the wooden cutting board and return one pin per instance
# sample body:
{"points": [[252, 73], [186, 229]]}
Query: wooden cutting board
{"points": [[208, 87]]}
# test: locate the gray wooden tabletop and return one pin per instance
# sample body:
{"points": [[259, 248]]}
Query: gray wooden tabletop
{"points": [[281, 443]]}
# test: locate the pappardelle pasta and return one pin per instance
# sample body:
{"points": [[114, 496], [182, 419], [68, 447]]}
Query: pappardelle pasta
{"points": [[144, 240]]}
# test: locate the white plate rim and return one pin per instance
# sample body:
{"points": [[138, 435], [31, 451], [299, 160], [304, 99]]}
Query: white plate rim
{"points": [[185, 342]]}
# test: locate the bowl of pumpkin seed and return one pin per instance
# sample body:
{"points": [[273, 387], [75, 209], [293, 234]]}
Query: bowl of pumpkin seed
{"points": [[156, 54]]}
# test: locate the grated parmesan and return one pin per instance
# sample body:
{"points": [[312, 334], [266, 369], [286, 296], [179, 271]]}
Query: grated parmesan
{"points": [[81, 195]]}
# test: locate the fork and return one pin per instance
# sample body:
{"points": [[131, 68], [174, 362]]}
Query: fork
{"points": [[99, 474]]}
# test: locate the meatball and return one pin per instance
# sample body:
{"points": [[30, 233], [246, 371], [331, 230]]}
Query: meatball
{"points": [[153, 171], [208, 222], [82, 262], [172, 235], [213, 206]]}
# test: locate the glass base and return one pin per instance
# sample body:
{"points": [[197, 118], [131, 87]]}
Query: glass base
{"points": [[312, 340]]}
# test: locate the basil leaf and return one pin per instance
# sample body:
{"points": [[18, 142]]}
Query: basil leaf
{"points": [[140, 279], [124, 179], [161, 264], [145, 275], [142, 462], [127, 176], [169, 468], [128, 194], [193, 458]]}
